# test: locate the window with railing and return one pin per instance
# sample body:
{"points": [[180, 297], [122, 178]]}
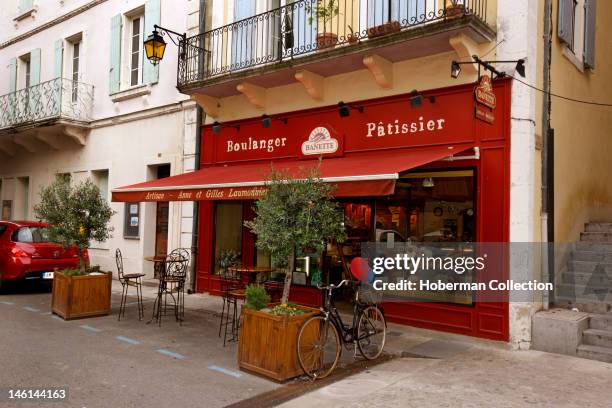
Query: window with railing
{"points": [[306, 27]]}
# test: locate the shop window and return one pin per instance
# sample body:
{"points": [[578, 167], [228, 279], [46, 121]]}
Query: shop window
{"points": [[131, 221], [228, 229]]}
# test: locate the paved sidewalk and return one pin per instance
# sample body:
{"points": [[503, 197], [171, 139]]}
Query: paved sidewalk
{"points": [[474, 377]]}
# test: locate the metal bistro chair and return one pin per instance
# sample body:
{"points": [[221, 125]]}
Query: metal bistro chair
{"points": [[172, 281], [127, 280], [232, 290]]}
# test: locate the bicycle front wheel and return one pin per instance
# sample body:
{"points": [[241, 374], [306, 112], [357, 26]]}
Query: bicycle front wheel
{"points": [[318, 347], [371, 332]]}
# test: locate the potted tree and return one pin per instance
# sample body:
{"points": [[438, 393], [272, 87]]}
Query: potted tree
{"points": [[455, 8], [323, 12], [294, 214], [76, 215]]}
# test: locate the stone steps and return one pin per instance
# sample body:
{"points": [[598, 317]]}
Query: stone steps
{"points": [[583, 305], [592, 246], [592, 256], [602, 321], [582, 278], [596, 237], [598, 227], [595, 353], [589, 266], [597, 337]]}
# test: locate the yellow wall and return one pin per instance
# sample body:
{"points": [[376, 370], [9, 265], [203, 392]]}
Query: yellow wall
{"points": [[583, 133]]}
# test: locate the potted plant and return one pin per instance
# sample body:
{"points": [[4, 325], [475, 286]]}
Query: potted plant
{"points": [[76, 215], [323, 11], [352, 38], [383, 29], [294, 214], [455, 8]]}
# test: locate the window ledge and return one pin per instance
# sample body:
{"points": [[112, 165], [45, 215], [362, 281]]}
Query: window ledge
{"points": [[23, 15], [569, 54], [131, 93]]}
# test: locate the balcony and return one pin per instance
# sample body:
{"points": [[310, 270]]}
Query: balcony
{"points": [[43, 113], [267, 49]]}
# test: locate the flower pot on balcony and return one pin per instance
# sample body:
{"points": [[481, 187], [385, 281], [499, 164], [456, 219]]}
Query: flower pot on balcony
{"points": [[268, 343], [455, 10], [326, 40], [384, 29], [352, 39], [81, 296]]}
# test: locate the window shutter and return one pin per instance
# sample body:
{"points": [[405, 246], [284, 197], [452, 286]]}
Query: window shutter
{"points": [[35, 67], [13, 75], [115, 55], [589, 33], [59, 57], [150, 72], [25, 5], [565, 21]]}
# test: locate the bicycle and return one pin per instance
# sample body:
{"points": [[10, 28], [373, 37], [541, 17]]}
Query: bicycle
{"points": [[319, 341]]}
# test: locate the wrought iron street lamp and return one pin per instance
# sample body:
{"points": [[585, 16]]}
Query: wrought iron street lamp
{"points": [[155, 46]]}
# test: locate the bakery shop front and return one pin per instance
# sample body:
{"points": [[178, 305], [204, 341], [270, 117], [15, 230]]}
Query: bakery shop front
{"points": [[428, 167]]}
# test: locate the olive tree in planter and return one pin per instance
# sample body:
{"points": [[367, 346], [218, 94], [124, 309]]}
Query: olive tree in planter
{"points": [[77, 214], [294, 214]]}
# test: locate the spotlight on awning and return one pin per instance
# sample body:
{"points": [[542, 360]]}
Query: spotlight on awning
{"points": [[416, 99], [216, 128], [455, 69], [266, 121], [343, 109]]}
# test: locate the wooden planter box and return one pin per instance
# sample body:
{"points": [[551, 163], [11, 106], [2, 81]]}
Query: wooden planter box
{"points": [[267, 343], [81, 296]]}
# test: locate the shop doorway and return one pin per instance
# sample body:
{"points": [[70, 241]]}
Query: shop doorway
{"points": [[161, 216]]}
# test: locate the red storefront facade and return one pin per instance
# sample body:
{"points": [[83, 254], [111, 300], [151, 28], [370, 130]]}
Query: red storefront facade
{"points": [[366, 155]]}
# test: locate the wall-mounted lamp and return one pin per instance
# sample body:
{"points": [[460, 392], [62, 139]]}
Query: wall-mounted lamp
{"points": [[155, 46], [344, 109], [456, 67]]}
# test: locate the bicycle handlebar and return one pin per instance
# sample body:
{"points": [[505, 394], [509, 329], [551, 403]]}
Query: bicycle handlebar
{"points": [[332, 286]]}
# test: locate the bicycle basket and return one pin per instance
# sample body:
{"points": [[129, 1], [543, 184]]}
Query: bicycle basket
{"points": [[366, 294]]}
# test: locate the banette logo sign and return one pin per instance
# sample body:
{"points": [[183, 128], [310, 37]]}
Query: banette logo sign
{"points": [[319, 141]]}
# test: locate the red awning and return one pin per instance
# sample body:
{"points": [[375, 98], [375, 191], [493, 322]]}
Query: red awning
{"points": [[364, 174]]}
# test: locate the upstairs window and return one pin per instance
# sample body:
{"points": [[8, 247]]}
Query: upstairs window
{"points": [[576, 28], [135, 58]]}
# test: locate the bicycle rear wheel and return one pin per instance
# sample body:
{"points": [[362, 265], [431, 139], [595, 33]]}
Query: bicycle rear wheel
{"points": [[318, 347], [371, 332]]}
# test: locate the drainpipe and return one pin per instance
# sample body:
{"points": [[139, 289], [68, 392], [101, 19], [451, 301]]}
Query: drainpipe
{"points": [[548, 192], [200, 117]]}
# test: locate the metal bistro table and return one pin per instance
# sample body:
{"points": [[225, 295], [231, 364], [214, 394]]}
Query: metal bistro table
{"points": [[167, 284], [249, 274]]}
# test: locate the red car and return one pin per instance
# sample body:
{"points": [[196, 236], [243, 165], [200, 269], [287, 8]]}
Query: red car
{"points": [[27, 253]]}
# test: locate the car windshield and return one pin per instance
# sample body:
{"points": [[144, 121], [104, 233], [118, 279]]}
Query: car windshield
{"points": [[31, 234]]}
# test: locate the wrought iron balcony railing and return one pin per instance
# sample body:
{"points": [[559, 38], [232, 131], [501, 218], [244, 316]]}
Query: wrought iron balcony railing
{"points": [[58, 98], [305, 27]]}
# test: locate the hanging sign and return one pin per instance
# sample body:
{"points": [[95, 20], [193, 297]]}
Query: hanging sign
{"points": [[485, 100]]}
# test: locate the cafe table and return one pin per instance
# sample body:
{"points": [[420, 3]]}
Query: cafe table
{"points": [[249, 274]]}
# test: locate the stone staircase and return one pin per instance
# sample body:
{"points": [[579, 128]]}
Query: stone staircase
{"points": [[586, 284]]}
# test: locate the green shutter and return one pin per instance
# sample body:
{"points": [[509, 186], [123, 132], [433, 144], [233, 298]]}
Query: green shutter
{"points": [[35, 67], [34, 91], [25, 5], [59, 57], [13, 75], [150, 72], [12, 89], [115, 55]]}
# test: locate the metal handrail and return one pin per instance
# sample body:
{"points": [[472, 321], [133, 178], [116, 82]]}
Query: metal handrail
{"points": [[300, 28]]}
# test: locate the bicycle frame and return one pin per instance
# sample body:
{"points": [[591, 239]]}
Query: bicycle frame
{"points": [[329, 310]]}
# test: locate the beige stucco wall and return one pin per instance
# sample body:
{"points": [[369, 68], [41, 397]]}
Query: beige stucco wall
{"points": [[583, 133]]}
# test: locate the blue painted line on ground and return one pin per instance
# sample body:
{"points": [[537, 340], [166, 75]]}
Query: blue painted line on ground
{"points": [[171, 354], [31, 309], [45, 313], [90, 328], [127, 340], [225, 371], [57, 317], [6, 302]]}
